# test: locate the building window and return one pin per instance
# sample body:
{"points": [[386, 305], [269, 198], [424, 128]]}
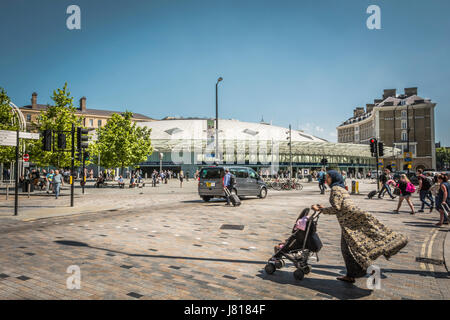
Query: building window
{"points": [[28, 117], [404, 136], [99, 123], [91, 122], [404, 124], [403, 113]]}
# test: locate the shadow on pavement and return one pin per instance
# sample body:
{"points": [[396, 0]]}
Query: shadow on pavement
{"points": [[82, 244], [329, 288]]}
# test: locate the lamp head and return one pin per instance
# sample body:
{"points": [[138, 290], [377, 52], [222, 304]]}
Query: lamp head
{"points": [[220, 79]]}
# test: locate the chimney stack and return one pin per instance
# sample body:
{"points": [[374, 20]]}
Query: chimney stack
{"points": [[389, 93], [369, 107], [411, 92], [358, 112], [34, 100], [83, 104]]}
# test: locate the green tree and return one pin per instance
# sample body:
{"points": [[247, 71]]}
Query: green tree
{"points": [[442, 157], [7, 122], [58, 117], [121, 143]]}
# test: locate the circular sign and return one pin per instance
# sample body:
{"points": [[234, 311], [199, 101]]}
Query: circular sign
{"points": [[26, 157]]}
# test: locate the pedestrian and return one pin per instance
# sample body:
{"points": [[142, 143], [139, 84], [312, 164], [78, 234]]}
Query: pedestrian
{"points": [[321, 179], [58, 181], [363, 237], [181, 178], [442, 197], [424, 190], [406, 189], [384, 178], [49, 181], [227, 185]]}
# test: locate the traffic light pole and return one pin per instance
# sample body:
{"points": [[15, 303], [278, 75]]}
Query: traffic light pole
{"points": [[376, 159], [72, 171], [16, 177], [84, 174]]}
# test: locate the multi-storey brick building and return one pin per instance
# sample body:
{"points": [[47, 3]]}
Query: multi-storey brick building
{"points": [[93, 118], [399, 121]]}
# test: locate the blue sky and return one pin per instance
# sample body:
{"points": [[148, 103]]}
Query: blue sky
{"points": [[308, 63]]}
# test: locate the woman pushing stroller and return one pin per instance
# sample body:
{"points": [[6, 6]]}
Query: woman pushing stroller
{"points": [[363, 237]]}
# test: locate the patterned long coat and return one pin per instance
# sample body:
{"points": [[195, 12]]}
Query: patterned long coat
{"points": [[366, 237]]}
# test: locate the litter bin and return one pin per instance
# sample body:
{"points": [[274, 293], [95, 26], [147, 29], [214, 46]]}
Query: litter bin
{"points": [[309, 178]]}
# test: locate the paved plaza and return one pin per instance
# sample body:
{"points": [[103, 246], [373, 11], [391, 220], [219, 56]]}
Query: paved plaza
{"points": [[165, 243]]}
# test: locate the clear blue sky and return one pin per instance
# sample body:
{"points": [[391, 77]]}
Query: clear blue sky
{"points": [[304, 62]]}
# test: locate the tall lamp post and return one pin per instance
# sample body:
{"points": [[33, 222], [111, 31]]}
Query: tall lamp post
{"points": [[217, 118]]}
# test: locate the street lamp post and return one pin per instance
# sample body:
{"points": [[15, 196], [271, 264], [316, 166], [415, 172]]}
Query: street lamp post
{"points": [[217, 118]]}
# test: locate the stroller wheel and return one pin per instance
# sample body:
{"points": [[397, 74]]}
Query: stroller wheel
{"points": [[299, 274], [279, 264], [269, 268], [307, 269]]}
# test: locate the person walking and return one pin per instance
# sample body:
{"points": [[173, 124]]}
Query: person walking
{"points": [[58, 181], [442, 197], [321, 179], [181, 178], [406, 188], [227, 185], [49, 181], [384, 178], [363, 237], [424, 191]]}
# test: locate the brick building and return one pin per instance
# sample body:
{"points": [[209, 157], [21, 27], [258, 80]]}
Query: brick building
{"points": [[93, 118], [399, 121]]}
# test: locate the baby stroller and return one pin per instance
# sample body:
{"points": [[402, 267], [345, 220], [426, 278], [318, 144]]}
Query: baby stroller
{"points": [[299, 247]]}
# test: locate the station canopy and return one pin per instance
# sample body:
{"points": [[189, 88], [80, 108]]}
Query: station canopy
{"points": [[198, 134]]}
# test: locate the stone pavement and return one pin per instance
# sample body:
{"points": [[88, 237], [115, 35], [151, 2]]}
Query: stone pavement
{"points": [[170, 245]]}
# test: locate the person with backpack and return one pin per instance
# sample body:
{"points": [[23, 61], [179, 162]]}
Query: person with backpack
{"points": [[443, 198], [321, 179], [406, 189], [425, 184]]}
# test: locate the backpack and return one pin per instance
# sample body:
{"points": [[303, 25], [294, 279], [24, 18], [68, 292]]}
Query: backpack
{"points": [[427, 183], [232, 180], [410, 188]]}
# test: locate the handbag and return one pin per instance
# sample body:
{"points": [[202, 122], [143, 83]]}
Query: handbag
{"points": [[397, 191]]}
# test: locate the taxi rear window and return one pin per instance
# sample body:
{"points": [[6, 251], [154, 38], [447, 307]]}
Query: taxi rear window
{"points": [[211, 173]]}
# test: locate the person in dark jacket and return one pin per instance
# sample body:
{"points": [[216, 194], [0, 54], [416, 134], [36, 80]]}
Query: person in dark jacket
{"points": [[424, 191], [384, 179], [443, 196]]}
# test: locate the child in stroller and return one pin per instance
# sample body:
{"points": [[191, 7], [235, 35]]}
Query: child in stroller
{"points": [[302, 244]]}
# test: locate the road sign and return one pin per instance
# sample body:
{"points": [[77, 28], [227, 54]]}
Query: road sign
{"points": [[8, 138], [26, 157], [381, 162], [407, 157], [29, 135]]}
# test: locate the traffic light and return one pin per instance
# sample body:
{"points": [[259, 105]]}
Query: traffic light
{"points": [[86, 156], [61, 141], [47, 140], [78, 156], [373, 145], [82, 138], [380, 149]]}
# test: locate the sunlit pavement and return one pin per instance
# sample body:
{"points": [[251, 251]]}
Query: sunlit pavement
{"points": [[165, 243]]}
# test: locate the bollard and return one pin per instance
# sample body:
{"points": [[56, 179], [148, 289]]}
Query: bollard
{"points": [[353, 186], [7, 191], [29, 187], [357, 187]]}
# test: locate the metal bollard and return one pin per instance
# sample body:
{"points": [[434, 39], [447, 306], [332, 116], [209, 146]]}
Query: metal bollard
{"points": [[29, 187]]}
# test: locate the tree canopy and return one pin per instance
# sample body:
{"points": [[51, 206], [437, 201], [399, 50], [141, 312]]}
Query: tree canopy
{"points": [[7, 154], [121, 143], [58, 117]]}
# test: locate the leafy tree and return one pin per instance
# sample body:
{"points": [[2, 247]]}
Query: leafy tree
{"points": [[121, 143], [442, 157], [58, 117], [7, 122]]}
